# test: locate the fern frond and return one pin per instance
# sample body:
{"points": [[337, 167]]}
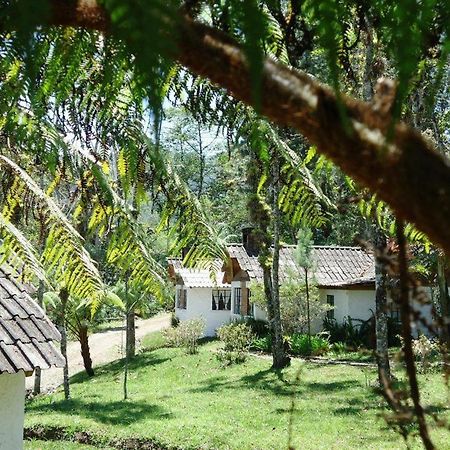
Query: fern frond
{"points": [[18, 253], [64, 257]]}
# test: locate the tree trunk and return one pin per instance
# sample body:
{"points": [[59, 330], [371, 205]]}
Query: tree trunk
{"points": [[131, 334], [381, 324], [85, 350], [307, 310], [64, 296], [37, 372], [444, 300], [280, 359]]}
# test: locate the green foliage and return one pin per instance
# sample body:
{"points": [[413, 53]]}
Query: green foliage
{"points": [[304, 345], [260, 328], [262, 344], [65, 259], [293, 307], [236, 339], [186, 334], [347, 332]]}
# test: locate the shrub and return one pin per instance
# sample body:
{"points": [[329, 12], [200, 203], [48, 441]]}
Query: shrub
{"points": [[300, 345], [236, 339], [262, 344], [338, 348], [425, 350], [174, 320], [362, 334], [186, 334], [260, 328]]}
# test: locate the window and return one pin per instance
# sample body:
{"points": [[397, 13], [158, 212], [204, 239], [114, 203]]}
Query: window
{"points": [[221, 299], [237, 301], [181, 298], [330, 301], [250, 306]]}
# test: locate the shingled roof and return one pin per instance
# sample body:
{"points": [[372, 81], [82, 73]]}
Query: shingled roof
{"points": [[26, 334], [196, 277], [333, 266]]}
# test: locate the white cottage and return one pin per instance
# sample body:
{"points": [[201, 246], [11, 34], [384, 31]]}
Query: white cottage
{"points": [[26, 336], [345, 277]]}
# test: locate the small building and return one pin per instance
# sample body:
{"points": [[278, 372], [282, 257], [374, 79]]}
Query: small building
{"points": [[26, 342], [345, 277]]}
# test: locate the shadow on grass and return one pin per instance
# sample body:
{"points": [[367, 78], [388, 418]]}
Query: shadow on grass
{"points": [[267, 380], [109, 413], [116, 367]]}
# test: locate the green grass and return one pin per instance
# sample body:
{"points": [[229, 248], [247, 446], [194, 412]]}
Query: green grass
{"points": [[153, 341], [48, 445], [191, 402]]}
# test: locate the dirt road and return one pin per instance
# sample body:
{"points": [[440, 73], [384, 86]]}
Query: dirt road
{"points": [[105, 347]]}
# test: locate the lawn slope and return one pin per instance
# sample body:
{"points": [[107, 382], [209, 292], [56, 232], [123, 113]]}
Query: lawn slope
{"points": [[191, 402]]}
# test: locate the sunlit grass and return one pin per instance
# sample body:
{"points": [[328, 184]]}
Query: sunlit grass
{"points": [[192, 402]]}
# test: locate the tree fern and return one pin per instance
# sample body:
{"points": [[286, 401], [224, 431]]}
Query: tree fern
{"points": [[65, 259]]}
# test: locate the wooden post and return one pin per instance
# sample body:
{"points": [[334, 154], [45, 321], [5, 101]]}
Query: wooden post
{"points": [[244, 299]]}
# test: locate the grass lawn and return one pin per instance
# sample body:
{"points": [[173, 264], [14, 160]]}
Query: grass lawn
{"points": [[48, 445], [191, 402]]}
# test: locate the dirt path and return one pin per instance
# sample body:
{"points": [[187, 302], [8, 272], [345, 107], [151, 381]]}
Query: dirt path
{"points": [[105, 347]]}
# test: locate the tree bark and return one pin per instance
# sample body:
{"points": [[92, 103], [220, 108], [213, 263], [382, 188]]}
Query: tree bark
{"points": [[444, 300], [381, 318], [308, 315], [85, 350], [64, 296], [37, 372], [280, 359], [406, 316], [292, 98], [131, 334]]}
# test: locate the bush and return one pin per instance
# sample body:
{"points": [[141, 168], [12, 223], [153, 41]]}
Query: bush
{"points": [[299, 345], [262, 344], [425, 351], [186, 334], [174, 320], [362, 334], [338, 348], [260, 328], [236, 339]]}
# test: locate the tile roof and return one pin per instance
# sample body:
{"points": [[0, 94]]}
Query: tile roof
{"points": [[26, 334], [333, 266], [197, 277]]}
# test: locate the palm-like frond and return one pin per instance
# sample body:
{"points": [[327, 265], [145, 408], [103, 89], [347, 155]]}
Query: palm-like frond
{"points": [[18, 253], [65, 259]]}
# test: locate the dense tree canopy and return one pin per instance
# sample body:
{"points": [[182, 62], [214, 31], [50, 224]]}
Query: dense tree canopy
{"points": [[361, 137]]}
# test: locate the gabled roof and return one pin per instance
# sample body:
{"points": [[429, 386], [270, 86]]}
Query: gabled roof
{"points": [[333, 266], [26, 334], [196, 277]]}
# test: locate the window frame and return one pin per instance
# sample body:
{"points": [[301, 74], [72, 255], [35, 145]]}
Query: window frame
{"points": [[216, 300], [181, 298], [237, 294], [330, 313]]}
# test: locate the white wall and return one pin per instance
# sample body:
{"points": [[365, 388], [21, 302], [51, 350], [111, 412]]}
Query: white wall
{"points": [[341, 302], [12, 410], [361, 304], [199, 304]]}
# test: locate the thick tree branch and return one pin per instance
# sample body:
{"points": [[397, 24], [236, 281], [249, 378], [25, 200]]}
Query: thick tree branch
{"points": [[405, 172]]}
